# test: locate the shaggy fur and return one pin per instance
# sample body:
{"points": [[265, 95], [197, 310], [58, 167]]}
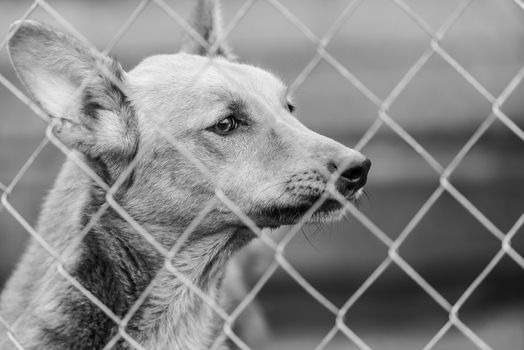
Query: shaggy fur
{"points": [[271, 166]]}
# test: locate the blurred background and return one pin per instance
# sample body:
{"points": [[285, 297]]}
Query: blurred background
{"points": [[379, 43]]}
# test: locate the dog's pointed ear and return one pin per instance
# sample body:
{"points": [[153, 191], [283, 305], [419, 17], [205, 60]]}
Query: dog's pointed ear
{"points": [[207, 25], [77, 85]]}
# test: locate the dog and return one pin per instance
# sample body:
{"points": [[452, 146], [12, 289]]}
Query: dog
{"points": [[196, 149]]}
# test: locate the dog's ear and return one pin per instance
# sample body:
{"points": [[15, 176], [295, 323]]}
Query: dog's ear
{"points": [[77, 85], [207, 23]]}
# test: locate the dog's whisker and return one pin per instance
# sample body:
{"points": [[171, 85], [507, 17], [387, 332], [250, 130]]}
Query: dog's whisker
{"points": [[302, 230], [369, 197], [317, 228]]}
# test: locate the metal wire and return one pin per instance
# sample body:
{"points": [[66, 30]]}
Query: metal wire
{"points": [[278, 249]]}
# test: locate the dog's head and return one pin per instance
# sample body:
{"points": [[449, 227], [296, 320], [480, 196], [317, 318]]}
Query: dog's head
{"points": [[193, 125]]}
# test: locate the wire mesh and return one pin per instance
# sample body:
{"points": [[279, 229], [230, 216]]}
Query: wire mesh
{"points": [[382, 106]]}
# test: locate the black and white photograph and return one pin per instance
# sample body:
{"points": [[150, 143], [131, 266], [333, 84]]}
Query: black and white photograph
{"points": [[261, 174]]}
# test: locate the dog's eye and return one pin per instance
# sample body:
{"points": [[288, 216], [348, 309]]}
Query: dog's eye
{"points": [[225, 126], [290, 107]]}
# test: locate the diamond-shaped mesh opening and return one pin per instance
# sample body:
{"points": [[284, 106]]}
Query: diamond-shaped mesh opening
{"points": [[355, 254], [291, 311], [342, 104], [36, 181], [438, 108], [400, 183], [397, 43], [142, 39], [385, 322], [254, 41], [475, 42], [494, 165], [448, 230], [494, 310], [98, 21]]}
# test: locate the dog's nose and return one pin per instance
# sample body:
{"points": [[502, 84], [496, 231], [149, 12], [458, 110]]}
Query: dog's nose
{"points": [[353, 178], [357, 175]]}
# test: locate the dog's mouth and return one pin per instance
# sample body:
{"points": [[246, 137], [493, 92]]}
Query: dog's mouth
{"points": [[280, 215]]}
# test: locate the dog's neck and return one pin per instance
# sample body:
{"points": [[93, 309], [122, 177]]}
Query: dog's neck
{"points": [[180, 311], [117, 265], [174, 315]]}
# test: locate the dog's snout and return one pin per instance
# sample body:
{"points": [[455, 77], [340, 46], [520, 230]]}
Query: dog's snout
{"points": [[354, 177]]}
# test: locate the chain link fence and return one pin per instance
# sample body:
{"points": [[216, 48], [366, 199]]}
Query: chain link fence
{"points": [[278, 247]]}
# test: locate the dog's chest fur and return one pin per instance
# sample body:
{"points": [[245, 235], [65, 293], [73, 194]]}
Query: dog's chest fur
{"points": [[108, 264]]}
